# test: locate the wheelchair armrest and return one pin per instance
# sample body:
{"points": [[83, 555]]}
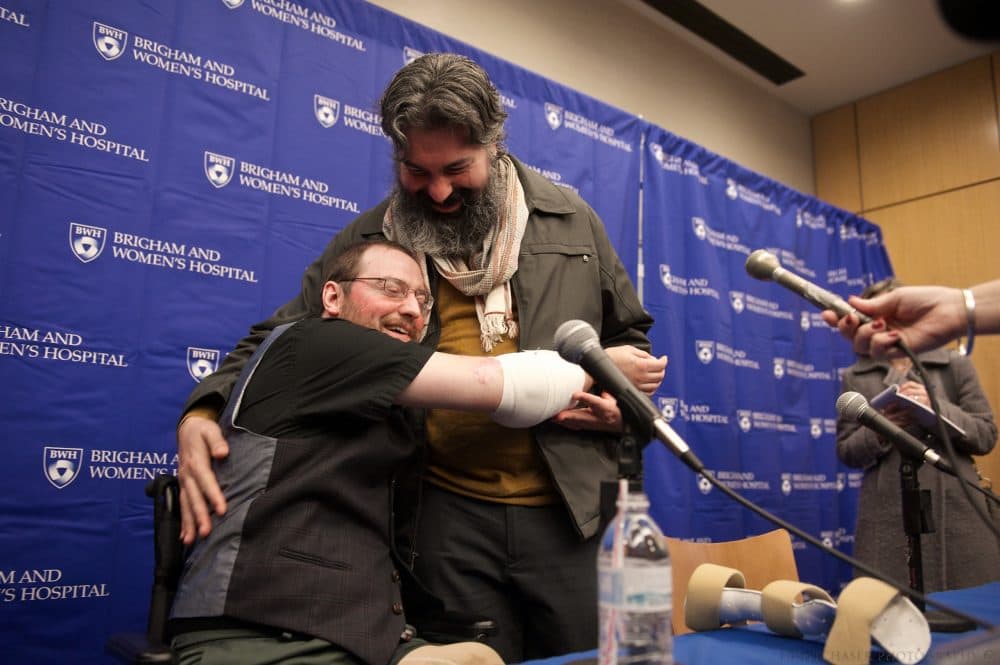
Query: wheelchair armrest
{"points": [[136, 649], [168, 561], [448, 627]]}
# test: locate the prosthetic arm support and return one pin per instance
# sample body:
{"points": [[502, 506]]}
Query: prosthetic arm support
{"points": [[536, 386]]}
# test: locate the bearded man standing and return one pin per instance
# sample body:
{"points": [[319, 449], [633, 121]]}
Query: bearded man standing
{"points": [[507, 530]]}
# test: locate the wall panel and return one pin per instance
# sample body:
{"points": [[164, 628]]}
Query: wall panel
{"points": [[929, 136], [835, 150]]}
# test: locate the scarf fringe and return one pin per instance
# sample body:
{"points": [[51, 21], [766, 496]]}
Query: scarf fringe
{"points": [[493, 329]]}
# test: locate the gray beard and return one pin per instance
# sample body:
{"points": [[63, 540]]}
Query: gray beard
{"points": [[459, 235]]}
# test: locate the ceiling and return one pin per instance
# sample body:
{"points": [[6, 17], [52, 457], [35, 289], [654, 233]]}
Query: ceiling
{"points": [[846, 49]]}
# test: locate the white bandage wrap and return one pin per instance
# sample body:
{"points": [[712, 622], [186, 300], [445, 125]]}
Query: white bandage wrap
{"points": [[536, 386]]}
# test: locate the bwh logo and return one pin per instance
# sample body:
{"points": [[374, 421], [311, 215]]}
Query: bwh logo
{"points": [[553, 115], [87, 242], [219, 169], [705, 350], [61, 465], [201, 362], [109, 42], [327, 110]]}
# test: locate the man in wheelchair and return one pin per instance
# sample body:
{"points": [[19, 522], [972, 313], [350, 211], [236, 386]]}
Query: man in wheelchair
{"points": [[302, 564]]}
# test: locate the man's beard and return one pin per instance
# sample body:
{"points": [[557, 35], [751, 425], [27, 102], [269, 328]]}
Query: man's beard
{"points": [[457, 235]]}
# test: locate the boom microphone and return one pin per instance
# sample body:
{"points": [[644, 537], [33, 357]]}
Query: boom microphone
{"points": [[577, 342], [764, 265], [854, 406]]}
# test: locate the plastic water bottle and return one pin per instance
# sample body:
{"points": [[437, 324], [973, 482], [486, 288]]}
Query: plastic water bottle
{"points": [[635, 590]]}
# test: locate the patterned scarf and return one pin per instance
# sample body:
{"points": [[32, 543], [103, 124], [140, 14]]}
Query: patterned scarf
{"points": [[489, 278]]}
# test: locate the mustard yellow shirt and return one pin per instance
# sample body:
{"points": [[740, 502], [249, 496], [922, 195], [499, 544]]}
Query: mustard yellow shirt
{"points": [[468, 453]]}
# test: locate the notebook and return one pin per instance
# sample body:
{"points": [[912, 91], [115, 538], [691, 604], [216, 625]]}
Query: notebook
{"points": [[922, 414]]}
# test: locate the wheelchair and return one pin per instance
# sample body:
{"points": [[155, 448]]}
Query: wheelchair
{"points": [[153, 646]]}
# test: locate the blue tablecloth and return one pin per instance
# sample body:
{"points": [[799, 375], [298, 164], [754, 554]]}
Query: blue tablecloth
{"points": [[755, 645]]}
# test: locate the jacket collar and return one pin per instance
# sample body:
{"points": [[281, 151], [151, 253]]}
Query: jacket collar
{"points": [[540, 194], [934, 357]]}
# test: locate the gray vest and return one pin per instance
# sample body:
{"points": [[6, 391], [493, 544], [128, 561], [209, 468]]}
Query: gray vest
{"points": [[304, 544]]}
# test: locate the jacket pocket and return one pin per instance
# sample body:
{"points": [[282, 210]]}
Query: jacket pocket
{"points": [[305, 557], [582, 250], [555, 283]]}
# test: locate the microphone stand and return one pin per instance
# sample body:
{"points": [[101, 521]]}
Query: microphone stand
{"points": [[629, 457], [918, 519], [628, 454]]}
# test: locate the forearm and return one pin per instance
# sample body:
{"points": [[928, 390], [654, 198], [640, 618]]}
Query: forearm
{"points": [[462, 383]]}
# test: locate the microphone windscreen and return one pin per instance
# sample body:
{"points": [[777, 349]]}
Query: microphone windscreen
{"points": [[573, 337], [761, 264], [851, 405]]}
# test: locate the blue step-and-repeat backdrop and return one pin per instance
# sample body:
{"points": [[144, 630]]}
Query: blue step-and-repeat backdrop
{"points": [[168, 170]]}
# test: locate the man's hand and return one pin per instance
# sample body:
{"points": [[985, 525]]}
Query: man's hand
{"points": [[199, 440], [645, 371], [592, 412]]}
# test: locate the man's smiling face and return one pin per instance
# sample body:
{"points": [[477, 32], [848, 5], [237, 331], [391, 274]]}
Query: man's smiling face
{"points": [[365, 303]]}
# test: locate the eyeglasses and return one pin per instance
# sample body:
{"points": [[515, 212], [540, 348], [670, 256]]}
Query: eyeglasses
{"points": [[397, 289]]}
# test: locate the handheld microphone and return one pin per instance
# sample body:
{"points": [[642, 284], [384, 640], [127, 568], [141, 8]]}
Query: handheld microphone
{"points": [[854, 406], [577, 342], [763, 265]]}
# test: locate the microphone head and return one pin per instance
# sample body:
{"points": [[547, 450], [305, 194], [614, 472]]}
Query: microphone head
{"points": [[573, 338], [761, 264], [851, 405]]}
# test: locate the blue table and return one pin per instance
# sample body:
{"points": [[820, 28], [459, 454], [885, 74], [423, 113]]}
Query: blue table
{"points": [[755, 645]]}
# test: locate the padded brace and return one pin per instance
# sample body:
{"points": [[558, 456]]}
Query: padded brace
{"points": [[704, 595], [778, 605], [871, 608]]}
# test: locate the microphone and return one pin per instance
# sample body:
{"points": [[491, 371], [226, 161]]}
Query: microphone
{"points": [[577, 342], [854, 406], [763, 265]]}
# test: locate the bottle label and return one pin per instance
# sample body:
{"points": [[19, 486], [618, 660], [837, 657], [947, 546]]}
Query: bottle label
{"points": [[636, 589]]}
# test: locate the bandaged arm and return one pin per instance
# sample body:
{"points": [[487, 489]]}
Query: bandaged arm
{"points": [[536, 386], [517, 389]]}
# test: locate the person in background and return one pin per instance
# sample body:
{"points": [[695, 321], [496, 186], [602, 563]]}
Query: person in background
{"points": [[506, 531], [956, 554], [924, 317], [301, 567]]}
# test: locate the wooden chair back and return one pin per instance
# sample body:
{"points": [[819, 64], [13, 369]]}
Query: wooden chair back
{"points": [[762, 559]]}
